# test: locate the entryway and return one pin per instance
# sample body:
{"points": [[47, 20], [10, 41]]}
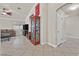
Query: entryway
{"points": [[67, 24]]}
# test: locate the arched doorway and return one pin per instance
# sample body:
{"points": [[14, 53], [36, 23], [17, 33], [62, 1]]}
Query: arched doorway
{"points": [[67, 22]]}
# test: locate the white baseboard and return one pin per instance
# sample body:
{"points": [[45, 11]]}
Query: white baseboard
{"points": [[57, 44], [61, 42], [49, 44], [52, 45], [72, 36], [43, 43]]}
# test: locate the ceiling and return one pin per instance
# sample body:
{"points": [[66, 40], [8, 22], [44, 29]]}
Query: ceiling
{"points": [[19, 12], [71, 9]]}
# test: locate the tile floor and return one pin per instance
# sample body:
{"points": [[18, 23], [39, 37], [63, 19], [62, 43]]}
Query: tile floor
{"points": [[21, 46]]}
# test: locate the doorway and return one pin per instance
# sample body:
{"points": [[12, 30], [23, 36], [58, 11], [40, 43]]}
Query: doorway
{"points": [[67, 22]]}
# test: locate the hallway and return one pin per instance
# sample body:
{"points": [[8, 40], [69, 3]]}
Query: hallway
{"points": [[25, 48], [42, 28]]}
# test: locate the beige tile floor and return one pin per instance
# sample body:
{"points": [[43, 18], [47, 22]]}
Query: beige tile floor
{"points": [[21, 46]]}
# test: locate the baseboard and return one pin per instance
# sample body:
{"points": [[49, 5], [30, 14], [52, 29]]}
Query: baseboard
{"points": [[72, 36], [58, 44], [43, 43], [52, 45], [49, 44]]}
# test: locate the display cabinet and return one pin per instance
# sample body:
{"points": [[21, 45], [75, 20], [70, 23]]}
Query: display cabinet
{"points": [[35, 30]]}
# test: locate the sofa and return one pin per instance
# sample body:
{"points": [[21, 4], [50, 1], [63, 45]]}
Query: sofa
{"points": [[7, 33]]}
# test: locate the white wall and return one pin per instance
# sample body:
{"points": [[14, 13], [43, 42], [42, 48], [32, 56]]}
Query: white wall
{"points": [[9, 23], [52, 40], [6, 25], [72, 26], [47, 23], [43, 22], [28, 20]]}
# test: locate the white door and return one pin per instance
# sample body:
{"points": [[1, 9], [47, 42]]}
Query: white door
{"points": [[60, 20]]}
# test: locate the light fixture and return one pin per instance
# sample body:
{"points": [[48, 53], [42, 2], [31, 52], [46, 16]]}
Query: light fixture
{"points": [[73, 7], [7, 11], [4, 13]]}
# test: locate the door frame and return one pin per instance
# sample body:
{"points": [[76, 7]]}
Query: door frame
{"points": [[60, 25]]}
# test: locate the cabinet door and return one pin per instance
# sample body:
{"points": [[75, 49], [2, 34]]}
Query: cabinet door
{"points": [[32, 29], [37, 29]]}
